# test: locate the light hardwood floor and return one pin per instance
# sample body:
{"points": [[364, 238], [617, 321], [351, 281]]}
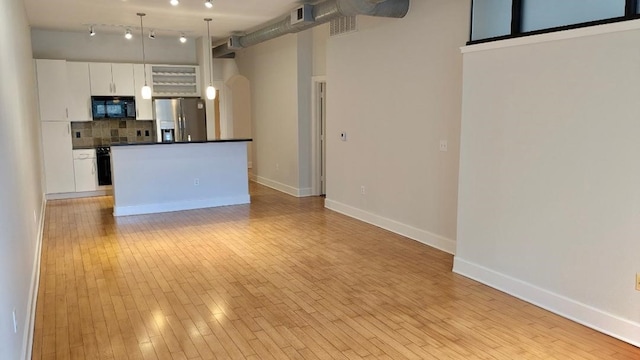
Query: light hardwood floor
{"points": [[280, 278]]}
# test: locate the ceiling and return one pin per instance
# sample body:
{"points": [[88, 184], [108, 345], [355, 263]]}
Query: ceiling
{"points": [[167, 20]]}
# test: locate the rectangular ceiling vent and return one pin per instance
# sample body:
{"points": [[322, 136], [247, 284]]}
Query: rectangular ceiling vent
{"points": [[343, 25]]}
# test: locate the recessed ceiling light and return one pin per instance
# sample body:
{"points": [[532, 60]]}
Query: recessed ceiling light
{"points": [[92, 31], [128, 35], [183, 39], [174, 2], [208, 4]]}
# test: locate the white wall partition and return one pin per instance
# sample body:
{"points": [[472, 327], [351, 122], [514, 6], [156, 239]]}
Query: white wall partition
{"points": [[272, 69], [549, 202], [396, 102], [21, 184]]}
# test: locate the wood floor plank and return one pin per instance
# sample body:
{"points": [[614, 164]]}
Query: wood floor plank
{"points": [[281, 278]]}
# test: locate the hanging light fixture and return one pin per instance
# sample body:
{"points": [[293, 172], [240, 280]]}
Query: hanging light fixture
{"points": [[92, 32], [208, 4], [128, 35], [183, 39], [146, 90], [211, 91]]}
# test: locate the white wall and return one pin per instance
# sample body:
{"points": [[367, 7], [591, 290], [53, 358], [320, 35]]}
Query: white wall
{"points": [[395, 87], [320, 36], [21, 185], [272, 69], [109, 47], [549, 205]]}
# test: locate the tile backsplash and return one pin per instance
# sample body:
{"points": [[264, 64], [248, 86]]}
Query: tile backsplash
{"points": [[107, 132]]}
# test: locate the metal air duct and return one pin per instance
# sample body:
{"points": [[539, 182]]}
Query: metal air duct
{"points": [[307, 16]]}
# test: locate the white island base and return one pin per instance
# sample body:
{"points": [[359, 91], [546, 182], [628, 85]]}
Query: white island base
{"points": [[155, 178]]}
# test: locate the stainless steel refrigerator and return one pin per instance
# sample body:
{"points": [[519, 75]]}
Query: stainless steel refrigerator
{"points": [[180, 119]]}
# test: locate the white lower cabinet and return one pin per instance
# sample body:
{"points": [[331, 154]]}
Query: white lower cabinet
{"points": [[58, 157], [85, 170]]}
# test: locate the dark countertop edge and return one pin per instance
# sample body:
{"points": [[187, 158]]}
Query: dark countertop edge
{"points": [[183, 142]]}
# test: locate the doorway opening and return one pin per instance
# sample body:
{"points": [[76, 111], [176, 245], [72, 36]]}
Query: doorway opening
{"points": [[319, 129]]}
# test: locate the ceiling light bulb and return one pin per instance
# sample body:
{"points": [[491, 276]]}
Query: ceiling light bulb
{"points": [[174, 2], [128, 35], [92, 31], [152, 35], [183, 39], [211, 92], [208, 4]]}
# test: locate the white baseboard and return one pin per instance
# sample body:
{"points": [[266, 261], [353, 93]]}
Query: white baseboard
{"points": [[425, 237], [283, 187], [35, 283], [179, 206], [76, 195], [612, 325]]}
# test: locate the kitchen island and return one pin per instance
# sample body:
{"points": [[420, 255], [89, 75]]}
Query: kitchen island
{"points": [[163, 177]]}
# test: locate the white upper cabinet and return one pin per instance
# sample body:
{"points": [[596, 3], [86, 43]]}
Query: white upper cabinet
{"points": [[144, 107], [123, 79], [111, 79], [52, 89], [79, 94], [101, 80]]}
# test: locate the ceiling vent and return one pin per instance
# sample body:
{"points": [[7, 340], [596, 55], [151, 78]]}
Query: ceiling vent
{"points": [[302, 15], [343, 25]]}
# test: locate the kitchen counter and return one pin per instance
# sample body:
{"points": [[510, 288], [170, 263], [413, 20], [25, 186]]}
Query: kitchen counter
{"points": [[155, 177], [182, 142]]}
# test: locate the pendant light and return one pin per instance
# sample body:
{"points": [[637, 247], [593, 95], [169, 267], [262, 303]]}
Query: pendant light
{"points": [[211, 91], [146, 90]]}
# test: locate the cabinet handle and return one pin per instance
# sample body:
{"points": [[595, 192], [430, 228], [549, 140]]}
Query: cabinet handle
{"points": [[93, 169], [67, 111], [68, 128], [114, 88]]}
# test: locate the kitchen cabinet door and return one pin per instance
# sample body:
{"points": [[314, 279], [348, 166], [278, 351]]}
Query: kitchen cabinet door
{"points": [[101, 79], [85, 170], [52, 89], [79, 94], [123, 79], [144, 107], [58, 157]]}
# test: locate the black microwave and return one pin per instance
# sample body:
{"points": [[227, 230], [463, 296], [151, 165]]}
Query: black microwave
{"points": [[113, 107]]}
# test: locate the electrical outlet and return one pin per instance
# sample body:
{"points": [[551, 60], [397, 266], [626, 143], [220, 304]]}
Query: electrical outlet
{"points": [[638, 281], [196, 182], [15, 322], [362, 190], [444, 146]]}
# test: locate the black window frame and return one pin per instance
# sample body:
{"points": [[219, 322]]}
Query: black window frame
{"points": [[630, 13]]}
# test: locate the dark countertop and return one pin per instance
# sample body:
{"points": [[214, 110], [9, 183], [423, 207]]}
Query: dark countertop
{"points": [[181, 142]]}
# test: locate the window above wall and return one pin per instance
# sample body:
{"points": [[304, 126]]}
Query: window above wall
{"points": [[493, 20]]}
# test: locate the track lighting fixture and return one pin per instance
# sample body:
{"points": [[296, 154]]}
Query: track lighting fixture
{"points": [[152, 35], [128, 35], [174, 2], [183, 39], [92, 31], [208, 4]]}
